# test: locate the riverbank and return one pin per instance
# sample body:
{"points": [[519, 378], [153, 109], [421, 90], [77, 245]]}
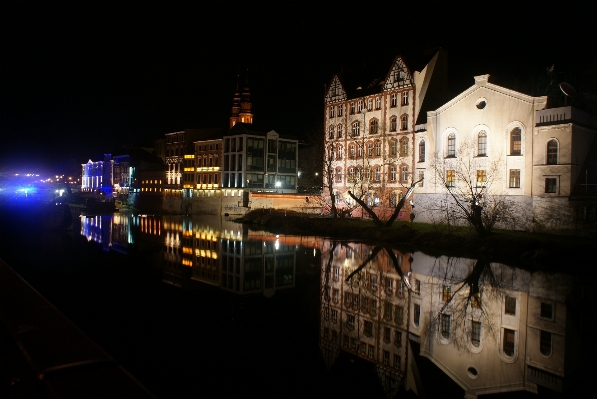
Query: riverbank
{"points": [[531, 251]]}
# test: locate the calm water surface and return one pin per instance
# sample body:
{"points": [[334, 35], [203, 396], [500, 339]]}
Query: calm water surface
{"points": [[189, 304]]}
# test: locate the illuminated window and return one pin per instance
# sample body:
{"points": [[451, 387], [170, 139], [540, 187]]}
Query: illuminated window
{"points": [[481, 178], [370, 104], [552, 152], [392, 173], [340, 109], [446, 293], [451, 145], [514, 178], [515, 141], [482, 144], [378, 103], [450, 178], [394, 100], [405, 98], [359, 105]]}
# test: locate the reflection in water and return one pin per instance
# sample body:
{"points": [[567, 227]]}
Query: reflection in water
{"points": [[206, 249], [489, 327]]}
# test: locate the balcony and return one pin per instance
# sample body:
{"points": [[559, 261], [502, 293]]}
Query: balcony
{"points": [[555, 116]]}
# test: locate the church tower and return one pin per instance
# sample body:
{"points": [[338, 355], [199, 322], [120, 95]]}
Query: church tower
{"points": [[241, 104]]}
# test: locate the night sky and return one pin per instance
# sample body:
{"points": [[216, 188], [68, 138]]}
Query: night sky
{"points": [[81, 78]]}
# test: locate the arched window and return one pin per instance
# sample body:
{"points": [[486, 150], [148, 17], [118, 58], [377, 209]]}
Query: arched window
{"points": [[515, 141], [552, 152], [378, 173], [370, 104], [378, 149], [422, 151], [373, 126], [351, 174], [352, 151], [482, 144], [359, 151], [404, 122], [356, 129], [339, 152], [451, 145], [393, 148], [339, 131], [331, 153], [378, 103], [331, 135], [393, 124]]}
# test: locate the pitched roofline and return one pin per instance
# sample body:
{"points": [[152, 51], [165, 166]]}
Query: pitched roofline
{"points": [[483, 81]]}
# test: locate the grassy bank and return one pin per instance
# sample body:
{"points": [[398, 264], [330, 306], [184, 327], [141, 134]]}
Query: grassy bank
{"points": [[532, 251]]}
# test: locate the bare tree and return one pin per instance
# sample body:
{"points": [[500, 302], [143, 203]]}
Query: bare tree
{"points": [[471, 184]]}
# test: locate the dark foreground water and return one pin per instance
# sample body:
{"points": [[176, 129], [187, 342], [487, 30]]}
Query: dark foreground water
{"points": [[198, 306]]}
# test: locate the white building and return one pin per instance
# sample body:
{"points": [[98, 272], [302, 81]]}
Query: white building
{"points": [[505, 143]]}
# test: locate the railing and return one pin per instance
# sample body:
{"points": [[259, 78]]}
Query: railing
{"points": [[565, 114], [51, 357]]}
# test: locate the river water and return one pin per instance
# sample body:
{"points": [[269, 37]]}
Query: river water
{"points": [[192, 304]]}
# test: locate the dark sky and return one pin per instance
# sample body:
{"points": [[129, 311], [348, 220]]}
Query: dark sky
{"points": [[79, 78]]}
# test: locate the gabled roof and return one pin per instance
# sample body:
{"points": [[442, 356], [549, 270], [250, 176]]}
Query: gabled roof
{"points": [[373, 80], [398, 76], [482, 81], [336, 91]]}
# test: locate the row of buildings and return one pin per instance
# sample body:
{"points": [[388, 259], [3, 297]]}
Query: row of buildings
{"points": [[208, 170], [383, 133]]}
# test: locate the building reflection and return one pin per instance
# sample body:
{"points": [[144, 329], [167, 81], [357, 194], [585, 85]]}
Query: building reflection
{"points": [[116, 232], [491, 328], [222, 253]]}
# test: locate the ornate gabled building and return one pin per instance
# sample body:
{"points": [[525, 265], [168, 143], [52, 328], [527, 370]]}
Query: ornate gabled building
{"points": [[369, 129]]}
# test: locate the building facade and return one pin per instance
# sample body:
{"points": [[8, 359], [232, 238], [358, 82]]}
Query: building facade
{"points": [[504, 147], [369, 131]]}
